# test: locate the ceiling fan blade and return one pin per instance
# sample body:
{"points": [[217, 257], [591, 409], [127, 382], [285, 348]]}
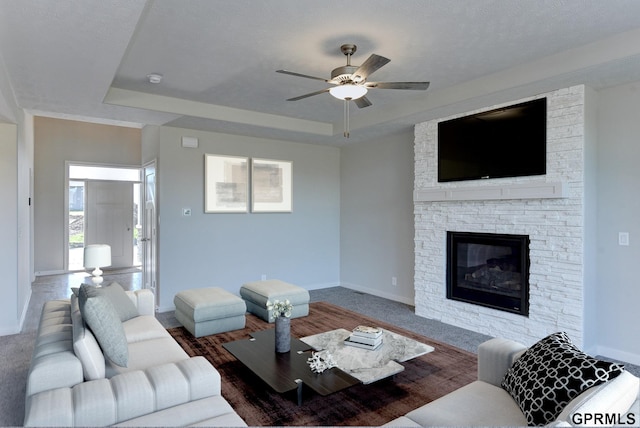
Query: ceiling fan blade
{"points": [[398, 85], [373, 63], [292, 73], [362, 102], [309, 95]]}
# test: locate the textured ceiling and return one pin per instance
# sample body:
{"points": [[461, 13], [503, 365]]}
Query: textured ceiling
{"points": [[88, 59]]}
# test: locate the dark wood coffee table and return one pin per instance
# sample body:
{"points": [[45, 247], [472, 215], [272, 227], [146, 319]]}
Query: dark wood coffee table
{"points": [[289, 371]]}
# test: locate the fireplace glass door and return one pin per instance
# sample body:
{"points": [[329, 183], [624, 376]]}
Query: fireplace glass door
{"points": [[489, 270]]}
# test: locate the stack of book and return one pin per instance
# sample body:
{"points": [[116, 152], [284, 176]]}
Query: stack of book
{"points": [[365, 337]]}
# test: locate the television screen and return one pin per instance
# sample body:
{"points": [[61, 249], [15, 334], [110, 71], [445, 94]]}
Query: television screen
{"points": [[505, 142]]}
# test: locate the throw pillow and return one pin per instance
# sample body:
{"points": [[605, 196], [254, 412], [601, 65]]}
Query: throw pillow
{"points": [[124, 306], [103, 320], [550, 374], [85, 345]]}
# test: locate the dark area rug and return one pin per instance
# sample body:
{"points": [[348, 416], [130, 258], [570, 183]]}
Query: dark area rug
{"points": [[424, 379]]}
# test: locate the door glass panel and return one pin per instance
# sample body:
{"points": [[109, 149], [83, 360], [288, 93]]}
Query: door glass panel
{"points": [[76, 225], [137, 221], [103, 173]]}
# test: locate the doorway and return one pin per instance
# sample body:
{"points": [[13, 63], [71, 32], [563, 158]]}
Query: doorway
{"points": [[104, 207]]}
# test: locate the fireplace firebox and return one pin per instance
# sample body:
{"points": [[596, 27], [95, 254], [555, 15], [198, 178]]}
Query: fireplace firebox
{"points": [[489, 269]]}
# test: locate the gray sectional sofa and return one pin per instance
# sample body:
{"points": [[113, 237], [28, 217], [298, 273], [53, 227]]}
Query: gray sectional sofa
{"points": [[71, 383], [486, 403]]}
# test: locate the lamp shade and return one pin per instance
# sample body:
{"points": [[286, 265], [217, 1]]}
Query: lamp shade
{"points": [[348, 90], [97, 255]]}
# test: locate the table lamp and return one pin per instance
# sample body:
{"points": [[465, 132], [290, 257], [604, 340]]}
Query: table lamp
{"points": [[97, 256]]}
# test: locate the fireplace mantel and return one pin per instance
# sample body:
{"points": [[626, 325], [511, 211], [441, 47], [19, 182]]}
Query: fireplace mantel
{"points": [[535, 190]]}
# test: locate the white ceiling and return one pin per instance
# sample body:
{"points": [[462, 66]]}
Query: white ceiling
{"points": [[88, 59]]}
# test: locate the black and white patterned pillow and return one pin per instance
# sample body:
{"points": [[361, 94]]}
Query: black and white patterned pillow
{"points": [[552, 373]]}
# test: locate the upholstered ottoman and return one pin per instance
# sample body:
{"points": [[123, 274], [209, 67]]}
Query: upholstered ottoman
{"points": [[257, 293], [205, 311]]}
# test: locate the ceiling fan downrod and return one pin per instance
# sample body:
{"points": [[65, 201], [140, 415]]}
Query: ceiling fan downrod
{"points": [[348, 49]]}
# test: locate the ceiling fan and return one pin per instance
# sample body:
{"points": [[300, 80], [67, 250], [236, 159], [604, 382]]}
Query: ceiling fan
{"points": [[350, 82]]}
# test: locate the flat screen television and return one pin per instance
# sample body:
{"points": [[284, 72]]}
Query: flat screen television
{"points": [[505, 142]]}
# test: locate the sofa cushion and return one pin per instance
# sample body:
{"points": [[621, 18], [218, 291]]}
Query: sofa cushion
{"points": [[212, 411], [149, 353], [85, 345], [143, 328], [103, 319], [552, 373], [476, 404]]}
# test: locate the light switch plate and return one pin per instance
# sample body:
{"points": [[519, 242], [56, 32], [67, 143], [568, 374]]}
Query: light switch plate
{"points": [[623, 238]]}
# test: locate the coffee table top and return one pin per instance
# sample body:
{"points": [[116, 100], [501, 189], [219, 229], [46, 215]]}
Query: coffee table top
{"points": [[285, 372], [366, 365]]}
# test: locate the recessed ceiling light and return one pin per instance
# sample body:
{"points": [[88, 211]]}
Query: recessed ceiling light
{"points": [[154, 77]]}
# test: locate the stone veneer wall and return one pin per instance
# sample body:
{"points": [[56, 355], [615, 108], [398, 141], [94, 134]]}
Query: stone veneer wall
{"points": [[555, 228]]}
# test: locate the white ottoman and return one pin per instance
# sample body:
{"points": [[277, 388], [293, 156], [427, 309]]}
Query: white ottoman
{"points": [[206, 311], [256, 294]]}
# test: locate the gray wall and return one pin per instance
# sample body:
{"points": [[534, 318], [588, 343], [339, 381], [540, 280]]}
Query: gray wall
{"points": [[57, 141], [377, 224], [8, 222], [227, 250], [618, 178], [16, 165], [590, 243]]}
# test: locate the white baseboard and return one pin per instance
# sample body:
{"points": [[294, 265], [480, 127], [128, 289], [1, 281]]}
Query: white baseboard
{"points": [[617, 354], [321, 286], [396, 298], [163, 309], [8, 331], [25, 308], [50, 272]]}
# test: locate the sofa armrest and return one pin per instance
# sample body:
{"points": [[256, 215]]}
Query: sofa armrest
{"points": [[105, 402], [495, 357], [144, 300], [53, 371]]}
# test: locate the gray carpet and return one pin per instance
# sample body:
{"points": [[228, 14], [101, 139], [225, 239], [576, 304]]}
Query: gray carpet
{"points": [[15, 350], [15, 356], [401, 315]]}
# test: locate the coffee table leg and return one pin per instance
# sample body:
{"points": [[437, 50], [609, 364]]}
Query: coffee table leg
{"points": [[299, 382]]}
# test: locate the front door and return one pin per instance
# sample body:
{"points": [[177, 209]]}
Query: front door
{"points": [[110, 219]]}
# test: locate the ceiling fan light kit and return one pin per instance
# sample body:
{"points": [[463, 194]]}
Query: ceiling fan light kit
{"points": [[351, 82], [348, 91]]}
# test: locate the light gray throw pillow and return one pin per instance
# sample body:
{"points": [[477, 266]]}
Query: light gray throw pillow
{"points": [[121, 301], [102, 318]]}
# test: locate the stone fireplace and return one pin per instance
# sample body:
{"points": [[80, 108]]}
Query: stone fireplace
{"points": [[548, 210]]}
